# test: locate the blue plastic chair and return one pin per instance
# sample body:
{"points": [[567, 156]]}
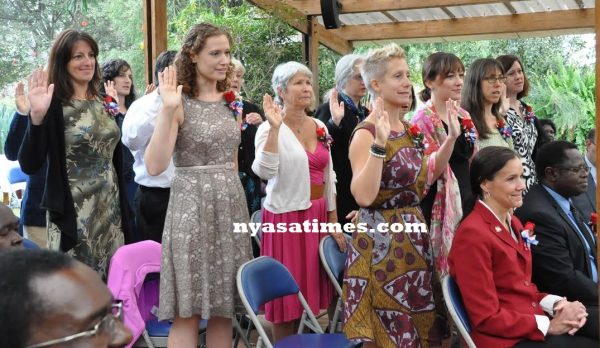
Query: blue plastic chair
{"points": [[16, 175], [456, 308], [334, 263], [28, 244], [264, 279]]}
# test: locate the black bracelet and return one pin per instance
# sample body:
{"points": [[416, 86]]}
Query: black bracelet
{"points": [[379, 150], [335, 125]]}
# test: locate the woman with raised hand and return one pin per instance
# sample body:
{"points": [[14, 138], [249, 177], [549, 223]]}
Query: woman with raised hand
{"points": [[391, 296], [117, 81], [450, 194], [527, 132], [292, 153], [71, 126], [482, 98], [200, 131], [341, 114], [491, 263]]}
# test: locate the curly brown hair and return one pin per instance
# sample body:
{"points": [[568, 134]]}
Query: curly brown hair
{"points": [[193, 43]]}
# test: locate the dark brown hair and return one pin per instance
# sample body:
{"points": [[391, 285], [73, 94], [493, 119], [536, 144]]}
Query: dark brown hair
{"points": [[472, 98], [507, 62], [193, 43], [60, 55], [487, 163], [439, 64]]}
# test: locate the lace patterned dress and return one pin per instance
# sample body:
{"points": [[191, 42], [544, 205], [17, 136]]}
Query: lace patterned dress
{"points": [[91, 137], [391, 291], [525, 137], [200, 251]]}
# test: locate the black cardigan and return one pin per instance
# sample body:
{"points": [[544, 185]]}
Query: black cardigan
{"points": [[48, 141]]}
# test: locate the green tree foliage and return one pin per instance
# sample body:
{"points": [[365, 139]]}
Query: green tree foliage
{"points": [[566, 95]]}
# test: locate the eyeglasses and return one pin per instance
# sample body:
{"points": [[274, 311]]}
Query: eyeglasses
{"points": [[106, 325], [492, 79], [577, 170]]}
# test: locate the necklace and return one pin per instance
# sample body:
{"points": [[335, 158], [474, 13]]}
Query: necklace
{"points": [[298, 129]]}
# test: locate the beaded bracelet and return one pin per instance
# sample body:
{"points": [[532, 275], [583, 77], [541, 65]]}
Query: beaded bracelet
{"points": [[375, 154]]}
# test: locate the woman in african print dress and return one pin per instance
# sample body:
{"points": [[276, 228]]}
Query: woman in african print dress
{"points": [[391, 290]]}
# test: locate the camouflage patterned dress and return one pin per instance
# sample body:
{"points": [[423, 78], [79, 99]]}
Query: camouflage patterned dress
{"points": [[91, 136], [389, 283]]}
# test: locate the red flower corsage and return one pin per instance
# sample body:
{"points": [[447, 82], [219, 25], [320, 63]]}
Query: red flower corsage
{"points": [[469, 129], [418, 137], [593, 222], [236, 105], [529, 116], [528, 235], [323, 137], [505, 130], [110, 105]]}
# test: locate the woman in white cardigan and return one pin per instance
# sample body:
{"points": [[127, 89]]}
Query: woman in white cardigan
{"points": [[292, 153]]}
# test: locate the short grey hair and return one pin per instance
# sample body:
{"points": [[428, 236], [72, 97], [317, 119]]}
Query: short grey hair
{"points": [[238, 66], [376, 62], [282, 75], [344, 68]]}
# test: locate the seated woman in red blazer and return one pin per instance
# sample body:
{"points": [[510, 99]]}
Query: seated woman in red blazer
{"points": [[491, 262]]}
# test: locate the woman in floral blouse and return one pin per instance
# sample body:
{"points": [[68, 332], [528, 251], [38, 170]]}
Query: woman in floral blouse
{"points": [[451, 193], [527, 132]]}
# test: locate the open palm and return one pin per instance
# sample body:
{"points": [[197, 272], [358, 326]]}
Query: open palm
{"points": [[272, 111], [40, 95]]}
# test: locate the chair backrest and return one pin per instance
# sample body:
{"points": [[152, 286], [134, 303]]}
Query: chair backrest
{"points": [[127, 281], [16, 175], [29, 244], [264, 279], [333, 260], [457, 310]]}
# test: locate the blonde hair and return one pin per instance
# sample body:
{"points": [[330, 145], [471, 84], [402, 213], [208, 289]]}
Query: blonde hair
{"points": [[375, 65], [237, 66]]}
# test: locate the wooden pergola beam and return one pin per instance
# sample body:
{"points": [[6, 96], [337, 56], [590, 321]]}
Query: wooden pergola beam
{"points": [[298, 20], [313, 7], [155, 34], [527, 22]]}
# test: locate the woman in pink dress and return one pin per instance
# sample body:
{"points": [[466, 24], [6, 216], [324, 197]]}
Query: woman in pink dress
{"points": [[292, 153]]}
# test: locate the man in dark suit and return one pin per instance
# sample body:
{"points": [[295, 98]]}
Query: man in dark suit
{"points": [[564, 261], [586, 202]]}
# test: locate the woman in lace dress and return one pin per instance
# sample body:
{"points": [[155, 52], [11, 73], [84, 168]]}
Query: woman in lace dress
{"points": [[200, 252], [527, 132], [84, 193]]}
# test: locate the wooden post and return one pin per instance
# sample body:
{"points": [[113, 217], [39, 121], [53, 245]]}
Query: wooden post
{"points": [[312, 55], [155, 34]]}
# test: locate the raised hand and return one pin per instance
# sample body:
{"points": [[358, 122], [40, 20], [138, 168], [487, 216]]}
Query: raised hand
{"points": [[109, 88], [272, 112], [170, 91], [453, 110], [21, 100], [382, 123], [336, 109], [149, 89], [504, 101], [40, 95]]}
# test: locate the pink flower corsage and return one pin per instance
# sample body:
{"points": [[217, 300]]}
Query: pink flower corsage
{"points": [[111, 106]]}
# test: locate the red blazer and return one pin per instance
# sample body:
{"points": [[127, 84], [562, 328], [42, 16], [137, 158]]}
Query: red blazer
{"points": [[493, 273]]}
